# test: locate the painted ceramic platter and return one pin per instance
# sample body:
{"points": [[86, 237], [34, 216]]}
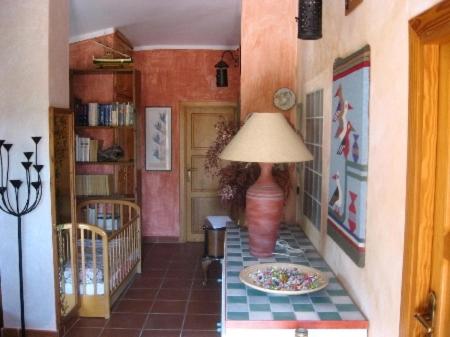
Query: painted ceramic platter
{"points": [[284, 99], [283, 278]]}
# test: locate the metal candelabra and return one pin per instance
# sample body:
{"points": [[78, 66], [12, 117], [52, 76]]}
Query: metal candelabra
{"points": [[9, 202]]}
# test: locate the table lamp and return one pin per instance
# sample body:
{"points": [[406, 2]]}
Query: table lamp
{"points": [[266, 138]]}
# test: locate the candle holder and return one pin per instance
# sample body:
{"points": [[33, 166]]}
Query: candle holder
{"points": [[10, 201]]}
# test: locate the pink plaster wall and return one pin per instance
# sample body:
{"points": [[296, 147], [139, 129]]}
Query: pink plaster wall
{"points": [[168, 78], [269, 62], [269, 52]]}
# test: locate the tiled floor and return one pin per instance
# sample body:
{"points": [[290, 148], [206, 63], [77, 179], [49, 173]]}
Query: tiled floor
{"points": [[166, 300]]}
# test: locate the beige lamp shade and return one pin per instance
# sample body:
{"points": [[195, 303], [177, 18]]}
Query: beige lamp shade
{"points": [[266, 137]]}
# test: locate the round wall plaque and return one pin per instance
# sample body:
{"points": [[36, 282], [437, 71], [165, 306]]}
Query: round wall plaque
{"points": [[284, 99]]}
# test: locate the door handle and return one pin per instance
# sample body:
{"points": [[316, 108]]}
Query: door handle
{"points": [[426, 319], [426, 322], [189, 172]]}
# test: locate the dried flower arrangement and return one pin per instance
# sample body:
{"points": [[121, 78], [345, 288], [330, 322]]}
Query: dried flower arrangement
{"points": [[235, 178]]}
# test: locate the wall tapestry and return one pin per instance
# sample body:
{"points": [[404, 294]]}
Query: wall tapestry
{"points": [[349, 154], [158, 134]]}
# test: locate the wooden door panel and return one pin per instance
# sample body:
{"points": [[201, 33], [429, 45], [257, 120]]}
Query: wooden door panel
{"points": [[203, 131], [447, 247], [427, 242], [440, 275], [201, 188], [201, 180]]}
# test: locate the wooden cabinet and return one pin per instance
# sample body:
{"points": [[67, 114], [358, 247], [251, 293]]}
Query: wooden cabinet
{"points": [[113, 94]]}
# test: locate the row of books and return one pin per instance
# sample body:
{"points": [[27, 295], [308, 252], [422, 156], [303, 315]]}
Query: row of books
{"points": [[105, 221], [86, 149], [93, 184], [113, 114]]}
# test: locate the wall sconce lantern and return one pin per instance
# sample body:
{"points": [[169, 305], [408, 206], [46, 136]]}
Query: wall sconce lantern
{"points": [[309, 19], [221, 74], [222, 69]]}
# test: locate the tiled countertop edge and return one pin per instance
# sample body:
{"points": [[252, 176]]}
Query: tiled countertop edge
{"points": [[298, 324]]}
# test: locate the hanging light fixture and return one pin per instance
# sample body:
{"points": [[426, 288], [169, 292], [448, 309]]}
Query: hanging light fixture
{"points": [[309, 19], [221, 73], [222, 69]]}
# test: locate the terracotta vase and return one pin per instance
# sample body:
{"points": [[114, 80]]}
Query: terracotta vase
{"points": [[264, 210]]}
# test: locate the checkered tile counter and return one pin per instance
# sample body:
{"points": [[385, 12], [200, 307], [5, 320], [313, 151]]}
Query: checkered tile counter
{"points": [[248, 308]]}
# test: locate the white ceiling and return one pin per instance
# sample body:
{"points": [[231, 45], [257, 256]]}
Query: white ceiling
{"points": [[154, 24]]}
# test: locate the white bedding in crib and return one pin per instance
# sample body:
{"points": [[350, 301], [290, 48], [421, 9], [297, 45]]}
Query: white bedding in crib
{"points": [[87, 283], [90, 290], [89, 280]]}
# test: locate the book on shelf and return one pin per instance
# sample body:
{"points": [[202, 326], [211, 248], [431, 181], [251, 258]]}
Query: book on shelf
{"points": [[99, 114], [93, 184], [86, 149], [103, 218]]}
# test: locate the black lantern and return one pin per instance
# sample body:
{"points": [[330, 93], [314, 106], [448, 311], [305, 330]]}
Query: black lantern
{"points": [[221, 74], [309, 19], [222, 68]]}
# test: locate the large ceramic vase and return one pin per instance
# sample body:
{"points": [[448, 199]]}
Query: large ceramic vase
{"points": [[264, 209]]}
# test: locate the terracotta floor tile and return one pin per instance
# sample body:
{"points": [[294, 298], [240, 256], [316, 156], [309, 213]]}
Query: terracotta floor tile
{"points": [[210, 284], [187, 273], [176, 283], [121, 333], [164, 322], [68, 323], [90, 323], [133, 306], [84, 332], [171, 275], [147, 282], [126, 321], [197, 333], [207, 308], [173, 294], [200, 295], [140, 294], [201, 322], [161, 333], [169, 307]]}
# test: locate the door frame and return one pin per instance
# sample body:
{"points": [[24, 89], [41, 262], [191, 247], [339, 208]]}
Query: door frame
{"points": [[53, 111], [426, 32], [183, 123]]}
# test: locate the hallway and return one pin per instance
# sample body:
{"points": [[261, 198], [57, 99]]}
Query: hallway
{"points": [[166, 300]]}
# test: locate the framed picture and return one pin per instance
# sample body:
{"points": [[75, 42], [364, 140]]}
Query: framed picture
{"points": [[158, 138]]}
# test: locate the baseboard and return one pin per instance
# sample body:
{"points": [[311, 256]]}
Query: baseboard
{"points": [[9, 332], [161, 239]]}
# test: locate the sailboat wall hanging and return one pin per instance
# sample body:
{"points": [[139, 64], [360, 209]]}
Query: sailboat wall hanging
{"points": [[349, 154]]}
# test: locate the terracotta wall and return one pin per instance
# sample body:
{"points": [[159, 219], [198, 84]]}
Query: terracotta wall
{"points": [[269, 62], [169, 77], [269, 52]]}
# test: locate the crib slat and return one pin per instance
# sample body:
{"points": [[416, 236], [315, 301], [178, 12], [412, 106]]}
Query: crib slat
{"points": [[83, 260], [121, 216], [95, 213], [94, 266]]}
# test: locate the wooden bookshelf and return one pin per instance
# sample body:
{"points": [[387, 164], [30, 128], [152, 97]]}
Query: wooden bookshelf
{"points": [[108, 86]]}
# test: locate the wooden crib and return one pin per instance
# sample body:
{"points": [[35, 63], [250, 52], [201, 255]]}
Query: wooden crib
{"points": [[108, 252]]}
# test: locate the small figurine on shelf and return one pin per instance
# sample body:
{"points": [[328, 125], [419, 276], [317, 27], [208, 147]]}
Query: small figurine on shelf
{"points": [[113, 153]]}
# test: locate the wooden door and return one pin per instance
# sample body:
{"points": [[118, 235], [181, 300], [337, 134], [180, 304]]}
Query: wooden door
{"points": [[427, 238], [200, 189], [440, 273]]}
